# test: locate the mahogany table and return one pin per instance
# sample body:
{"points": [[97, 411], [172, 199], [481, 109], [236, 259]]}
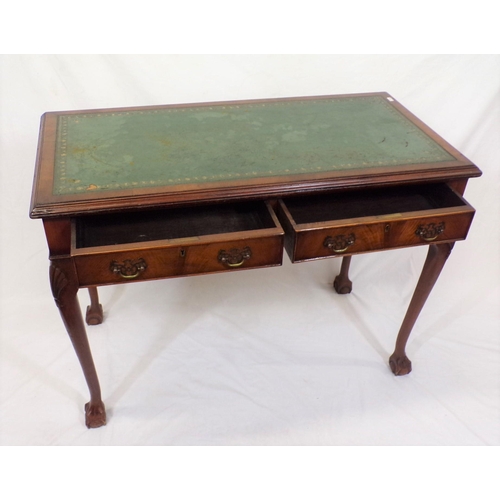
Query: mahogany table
{"points": [[135, 194]]}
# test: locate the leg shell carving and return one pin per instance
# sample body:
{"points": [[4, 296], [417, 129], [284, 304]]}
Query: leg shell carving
{"points": [[58, 282]]}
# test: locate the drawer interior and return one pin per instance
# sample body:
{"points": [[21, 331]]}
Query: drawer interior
{"points": [[166, 224], [371, 202]]}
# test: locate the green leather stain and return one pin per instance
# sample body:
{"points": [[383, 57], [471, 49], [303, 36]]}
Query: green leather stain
{"points": [[203, 144]]}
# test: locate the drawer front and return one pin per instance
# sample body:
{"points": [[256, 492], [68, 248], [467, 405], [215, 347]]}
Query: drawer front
{"points": [[337, 241], [428, 230], [178, 260], [334, 239]]}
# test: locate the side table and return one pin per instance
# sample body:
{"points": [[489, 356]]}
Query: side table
{"points": [[134, 194]]}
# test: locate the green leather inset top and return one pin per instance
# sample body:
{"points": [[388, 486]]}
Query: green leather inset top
{"points": [[200, 144]]}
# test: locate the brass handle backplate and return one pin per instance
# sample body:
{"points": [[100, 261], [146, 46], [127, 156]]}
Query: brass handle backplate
{"points": [[128, 269], [429, 232], [339, 243], [234, 257]]}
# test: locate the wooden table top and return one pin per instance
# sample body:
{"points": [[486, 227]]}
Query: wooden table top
{"points": [[123, 158]]}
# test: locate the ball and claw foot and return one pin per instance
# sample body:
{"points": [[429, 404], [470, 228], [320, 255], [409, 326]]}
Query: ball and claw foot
{"points": [[400, 365], [95, 415], [94, 315], [342, 285]]}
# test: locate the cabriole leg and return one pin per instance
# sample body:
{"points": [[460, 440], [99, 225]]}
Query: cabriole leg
{"points": [[436, 258], [94, 315], [64, 286], [342, 283]]}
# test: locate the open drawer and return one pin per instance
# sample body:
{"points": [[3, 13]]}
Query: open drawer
{"points": [[326, 225], [122, 247]]}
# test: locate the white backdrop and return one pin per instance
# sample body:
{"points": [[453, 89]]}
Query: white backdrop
{"points": [[263, 357]]}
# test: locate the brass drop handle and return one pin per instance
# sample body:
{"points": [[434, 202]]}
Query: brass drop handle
{"points": [[236, 264], [234, 257], [430, 239], [430, 232], [129, 276], [128, 269], [339, 243]]}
